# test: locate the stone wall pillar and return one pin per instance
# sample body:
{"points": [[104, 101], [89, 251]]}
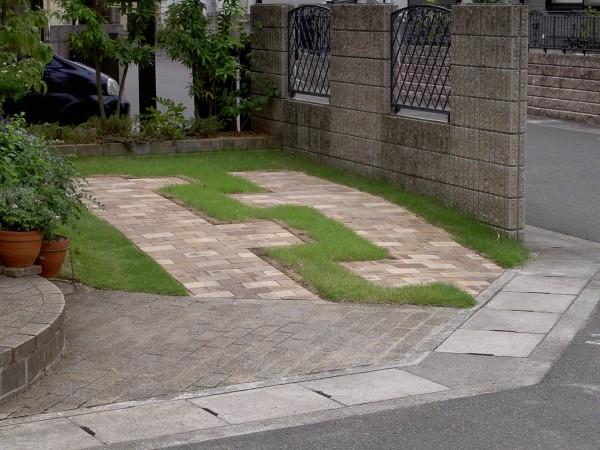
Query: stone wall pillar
{"points": [[489, 113], [269, 48], [360, 84], [360, 57]]}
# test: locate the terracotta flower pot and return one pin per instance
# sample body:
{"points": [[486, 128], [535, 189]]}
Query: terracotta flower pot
{"points": [[52, 256], [18, 249]]}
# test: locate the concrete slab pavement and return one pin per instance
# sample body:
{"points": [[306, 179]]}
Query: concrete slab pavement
{"points": [[361, 388], [264, 404], [434, 376]]}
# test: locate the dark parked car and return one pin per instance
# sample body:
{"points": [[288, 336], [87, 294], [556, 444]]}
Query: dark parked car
{"points": [[71, 97]]}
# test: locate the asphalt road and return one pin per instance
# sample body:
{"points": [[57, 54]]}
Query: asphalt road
{"points": [[562, 412], [562, 173]]}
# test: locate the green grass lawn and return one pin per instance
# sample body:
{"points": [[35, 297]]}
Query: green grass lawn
{"points": [[331, 242], [106, 259]]}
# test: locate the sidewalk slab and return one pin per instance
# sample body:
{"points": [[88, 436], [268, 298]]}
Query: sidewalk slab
{"points": [[545, 284], [373, 386], [265, 403], [569, 269], [518, 301], [60, 434], [149, 421], [457, 370], [515, 321], [496, 343]]}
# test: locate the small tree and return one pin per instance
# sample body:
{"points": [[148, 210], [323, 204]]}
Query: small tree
{"points": [[213, 53], [94, 43], [132, 48], [22, 55]]}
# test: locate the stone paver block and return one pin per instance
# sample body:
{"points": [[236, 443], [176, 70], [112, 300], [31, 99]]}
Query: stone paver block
{"points": [[496, 343], [6, 356], [265, 403], [148, 421], [546, 285], [515, 321], [373, 386], [60, 434], [22, 344], [526, 301]]}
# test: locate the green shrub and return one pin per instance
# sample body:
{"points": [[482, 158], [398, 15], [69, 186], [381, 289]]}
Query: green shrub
{"points": [[167, 124], [81, 134], [210, 126], [112, 129], [35, 180]]}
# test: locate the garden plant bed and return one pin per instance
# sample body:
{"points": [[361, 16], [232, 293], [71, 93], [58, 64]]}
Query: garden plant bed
{"points": [[234, 141]]}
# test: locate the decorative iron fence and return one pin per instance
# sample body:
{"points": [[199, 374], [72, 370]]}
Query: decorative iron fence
{"points": [[572, 31], [421, 59], [309, 50]]}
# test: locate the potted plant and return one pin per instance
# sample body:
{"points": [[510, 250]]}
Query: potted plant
{"points": [[49, 190], [23, 216]]}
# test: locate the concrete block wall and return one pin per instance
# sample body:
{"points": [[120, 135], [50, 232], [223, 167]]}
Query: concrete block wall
{"points": [[564, 86], [475, 162]]}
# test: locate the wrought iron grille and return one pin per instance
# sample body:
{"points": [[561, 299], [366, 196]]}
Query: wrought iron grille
{"points": [[572, 31], [309, 50], [421, 59]]}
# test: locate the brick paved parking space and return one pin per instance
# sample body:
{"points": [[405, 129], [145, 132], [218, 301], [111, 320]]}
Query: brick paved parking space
{"points": [[217, 261]]}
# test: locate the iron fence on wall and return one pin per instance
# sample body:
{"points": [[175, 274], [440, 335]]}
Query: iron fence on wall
{"points": [[421, 59], [309, 50], [572, 31]]}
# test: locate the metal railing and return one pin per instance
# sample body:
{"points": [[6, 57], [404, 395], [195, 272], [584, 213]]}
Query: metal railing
{"points": [[421, 59], [309, 50], [572, 31]]}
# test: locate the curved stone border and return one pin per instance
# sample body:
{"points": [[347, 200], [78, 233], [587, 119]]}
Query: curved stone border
{"points": [[168, 147], [32, 336]]}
